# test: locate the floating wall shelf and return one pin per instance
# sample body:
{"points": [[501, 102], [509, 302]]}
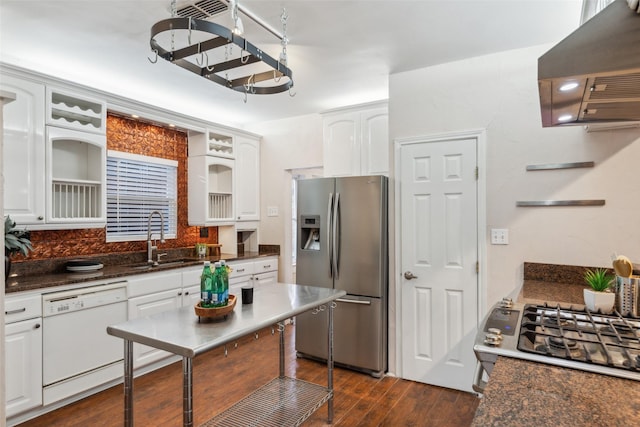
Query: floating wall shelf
{"points": [[551, 166], [547, 203]]}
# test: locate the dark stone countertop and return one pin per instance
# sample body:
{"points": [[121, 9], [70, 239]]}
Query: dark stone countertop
{"points": [[523, 393], [40, 275]]}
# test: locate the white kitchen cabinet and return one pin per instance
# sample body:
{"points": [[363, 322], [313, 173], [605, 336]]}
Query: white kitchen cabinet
{"points": [[23, 353], [24, 151], [72, 110], [150, 294], [247, 169], [211, 190], [356, 141], [76, 179], [253, 273], [55, 175]]}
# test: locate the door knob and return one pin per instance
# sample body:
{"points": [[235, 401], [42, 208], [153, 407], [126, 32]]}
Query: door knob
{"points": [[409, 275]]}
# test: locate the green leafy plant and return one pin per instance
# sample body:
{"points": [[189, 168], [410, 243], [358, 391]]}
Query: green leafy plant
{"points": [[16, 240], [599, 279]]}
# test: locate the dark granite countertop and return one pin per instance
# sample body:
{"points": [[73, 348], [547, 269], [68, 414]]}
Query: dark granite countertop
{"points": [[35, 276], [523, 393]]}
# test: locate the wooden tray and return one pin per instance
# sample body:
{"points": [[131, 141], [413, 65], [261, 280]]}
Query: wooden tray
{"points": [[214, 312]]}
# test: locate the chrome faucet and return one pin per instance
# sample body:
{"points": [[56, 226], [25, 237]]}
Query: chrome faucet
{"points": [[151, 247]]}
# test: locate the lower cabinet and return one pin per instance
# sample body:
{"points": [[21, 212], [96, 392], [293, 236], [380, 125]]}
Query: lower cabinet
{"points": [[23, 354], [150, 294], [253, 273]]}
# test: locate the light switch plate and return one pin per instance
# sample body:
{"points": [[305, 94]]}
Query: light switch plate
{"points": [[499, 236], [272, 211]]}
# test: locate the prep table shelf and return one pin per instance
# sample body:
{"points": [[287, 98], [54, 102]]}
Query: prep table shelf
{"points": [[282, 402]]}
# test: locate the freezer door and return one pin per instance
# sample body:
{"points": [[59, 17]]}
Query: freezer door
{"points": [[359, 337], [361, 242], [313, 244]]}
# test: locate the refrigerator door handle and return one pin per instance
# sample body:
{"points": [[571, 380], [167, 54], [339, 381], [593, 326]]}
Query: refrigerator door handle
{"points": [[328, 242], [353, 301], [336, 237]]}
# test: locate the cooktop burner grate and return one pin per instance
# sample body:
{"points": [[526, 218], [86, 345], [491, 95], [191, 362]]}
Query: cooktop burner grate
{"points": [[580, 335]]}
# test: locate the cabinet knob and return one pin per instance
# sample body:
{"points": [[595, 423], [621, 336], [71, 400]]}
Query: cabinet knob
{"points": [[179, 293], [40, 218], [37, 325]]}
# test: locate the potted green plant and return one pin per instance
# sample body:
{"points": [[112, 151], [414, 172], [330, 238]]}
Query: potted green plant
{"points": [[15, 241], [599, 295]]}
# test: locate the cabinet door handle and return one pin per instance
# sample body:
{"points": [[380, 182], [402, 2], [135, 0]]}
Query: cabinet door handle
{"points": [[16, 311], [240, 270], [267, 266]]}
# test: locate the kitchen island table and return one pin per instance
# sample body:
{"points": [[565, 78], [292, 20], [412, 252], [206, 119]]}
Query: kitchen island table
{"points": [[181, 332]]}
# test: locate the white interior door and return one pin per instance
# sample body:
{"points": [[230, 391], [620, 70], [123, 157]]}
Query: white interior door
{"points": [[439, 247]]}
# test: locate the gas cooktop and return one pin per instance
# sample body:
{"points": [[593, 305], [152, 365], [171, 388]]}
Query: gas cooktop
{"points": [[601, 339]]}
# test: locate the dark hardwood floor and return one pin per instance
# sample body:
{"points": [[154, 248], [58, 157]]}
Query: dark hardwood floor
{"points": [[219, 381]]}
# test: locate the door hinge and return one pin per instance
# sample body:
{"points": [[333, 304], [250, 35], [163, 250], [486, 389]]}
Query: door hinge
{"points": [[477, 173], [477, 267]]}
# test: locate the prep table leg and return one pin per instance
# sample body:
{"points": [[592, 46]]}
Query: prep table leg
{"points": [[330, 364], [128, 383], [281, 332], [187, 392]]}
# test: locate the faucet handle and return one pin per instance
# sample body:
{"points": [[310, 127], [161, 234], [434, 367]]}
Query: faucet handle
{"points": [[160, 255]]}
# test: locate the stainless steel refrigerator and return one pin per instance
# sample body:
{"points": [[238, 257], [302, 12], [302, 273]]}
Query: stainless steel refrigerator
{"points": [[342, 244]]}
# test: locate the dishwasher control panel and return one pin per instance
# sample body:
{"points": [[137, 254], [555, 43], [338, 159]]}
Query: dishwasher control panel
{"points": [[79, 299]]}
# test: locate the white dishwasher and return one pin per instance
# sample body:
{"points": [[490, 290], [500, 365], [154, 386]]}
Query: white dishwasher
{"points": [[78, 354]]}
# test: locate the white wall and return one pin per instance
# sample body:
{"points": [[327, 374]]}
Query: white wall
{"points": [[286, 144], [499, 93]]}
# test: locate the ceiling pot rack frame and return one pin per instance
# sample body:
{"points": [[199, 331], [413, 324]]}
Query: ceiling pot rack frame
{"points": [[223, 37]]}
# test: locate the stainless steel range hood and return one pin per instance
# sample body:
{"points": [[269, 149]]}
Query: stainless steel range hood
{"points": [[603, 58]]}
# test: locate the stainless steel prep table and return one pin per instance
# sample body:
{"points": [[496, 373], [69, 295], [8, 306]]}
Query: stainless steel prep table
{"points": [[180, 332]]}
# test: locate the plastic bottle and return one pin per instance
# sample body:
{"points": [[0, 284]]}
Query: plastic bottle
{"points": [[225, 279], [218, 287], [206, 286]]}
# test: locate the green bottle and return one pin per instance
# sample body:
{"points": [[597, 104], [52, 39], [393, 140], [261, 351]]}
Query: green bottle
{"points": [[206, 286], [225, 280], [217, 297]]}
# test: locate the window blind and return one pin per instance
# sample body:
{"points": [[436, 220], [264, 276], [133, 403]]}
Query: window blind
{"points": [[137, 186]]}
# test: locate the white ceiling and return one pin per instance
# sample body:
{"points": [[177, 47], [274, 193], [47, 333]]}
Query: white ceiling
{"points": [[341, 52]]}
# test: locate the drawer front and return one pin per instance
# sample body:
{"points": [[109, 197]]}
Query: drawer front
{"points": [[153, 282], [264, 265], [192, 277], [241, 268], [22, 307]]}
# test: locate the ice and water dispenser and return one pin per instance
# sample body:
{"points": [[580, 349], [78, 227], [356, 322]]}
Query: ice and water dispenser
{"points": [[310, 232]]}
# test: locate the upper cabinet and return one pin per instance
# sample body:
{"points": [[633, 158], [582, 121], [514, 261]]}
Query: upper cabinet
{"points": [[356, 141], [54, 168], [247, 178], [224, 178], [68, 110], [211, 179], [23, 151]]}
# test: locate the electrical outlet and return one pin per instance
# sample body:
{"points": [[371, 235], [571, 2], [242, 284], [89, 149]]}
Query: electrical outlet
{"points": [[499, 236], [272, 211]]}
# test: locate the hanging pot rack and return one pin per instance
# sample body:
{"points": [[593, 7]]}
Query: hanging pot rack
{"points": [[270, 81]]}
